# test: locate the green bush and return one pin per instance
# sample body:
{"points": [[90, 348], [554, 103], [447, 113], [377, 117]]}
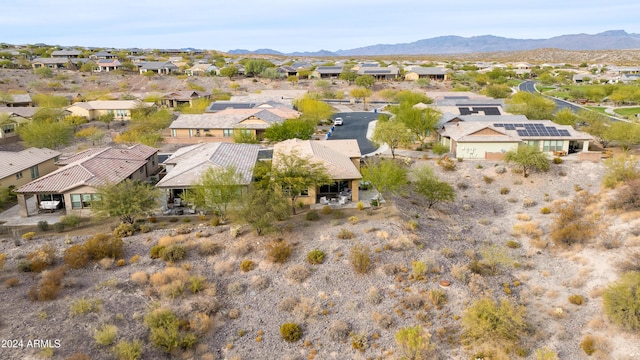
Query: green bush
{"points": [[440, 149], [512, 244], [545, 211], [58, 227], [29, 235], [76, 257], [102, 246], [173, 253], [622, 301], [124, 230], [290, 332], [312, 215], [84, 306], [315, 257], [326, 210], [167, 331], [215, 221], [576, 299], [155, 251], [128, 350], [71, 221], [43, 225], [278, 251], [247, 265], [504, 191], [345, 234], [502, 324], [588, 344], [414, 343]]}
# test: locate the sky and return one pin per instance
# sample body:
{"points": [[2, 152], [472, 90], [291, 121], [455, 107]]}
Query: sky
{"points": [[301, 25]]}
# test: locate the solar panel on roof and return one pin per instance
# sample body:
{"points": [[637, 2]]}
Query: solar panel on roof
{"points": [[509, 127], [519, 125], [498, 125], [564, 132], [523, 133]]}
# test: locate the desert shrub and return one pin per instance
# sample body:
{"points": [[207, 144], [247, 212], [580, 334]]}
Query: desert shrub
{"points": [[345, 234], [76, 256], [528, 202], [42, 258], [134, 259], [588, 344], [619, 170], [84, 306], [621, 301], [298, 273], [140, 277], [102, 246], [144, 228], [215, 221], [81, 356], [288, 304], [106, 263], [512, 244], [504, 190], [155, 251], [28, 235], [339, 330], [49, 285], [360, 205], [105, 335], [247, 265], [128, 350], [373, 296], [414, 343], [183, 229], [58, 227], [166, 332], [571, 225], [290, 332], [437, 297], [353, 220], [24, 266], [326, 210], [418, 269], [71, 221], [413, 302], [384, 321], [447, 164], [546, 354], [545, 211], [209, 248], [557, 160], [576, 299], [487, 321], [259, 282], [312, 215], [315, 257], [196, 284], [627, 197], [278, 251], [629, 263], [11, 282], [43, 225], [3, 259], [173, 253], [360, 256], [124, 230], [358, 341], [487, 179]]}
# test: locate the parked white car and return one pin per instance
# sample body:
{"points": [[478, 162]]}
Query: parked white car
{"points": [[337, 121]]}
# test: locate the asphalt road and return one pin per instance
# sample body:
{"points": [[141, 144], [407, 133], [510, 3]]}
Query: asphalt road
{"points": [[355, 127], [529, 86]]}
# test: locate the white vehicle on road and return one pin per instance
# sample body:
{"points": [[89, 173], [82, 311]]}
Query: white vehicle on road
{"points": [[337, 121]]}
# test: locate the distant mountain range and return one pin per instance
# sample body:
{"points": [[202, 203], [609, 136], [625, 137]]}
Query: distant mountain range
{"points": [[608, 40]]}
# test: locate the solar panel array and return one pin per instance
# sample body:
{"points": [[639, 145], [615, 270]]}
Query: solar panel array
{"points": [[534, 129]]}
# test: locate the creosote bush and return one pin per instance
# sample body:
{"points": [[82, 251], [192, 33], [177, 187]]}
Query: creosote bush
{"points": [[105, 335], [621, 301], [247, 265], [167, 332], [571, 225], [49, 286], [499, 323], [345, 234], [576, 299], [128, 350], [339, 330], [124, 230], [312, 215], [360, 256], [414, 342], [315, 257], [290, 332]]}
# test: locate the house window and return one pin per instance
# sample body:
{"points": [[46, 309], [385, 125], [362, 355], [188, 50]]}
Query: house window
{"points": [[83, 201], [7, 129], [34, 172], [122, 113], [19, 175], [552, 145], [245, 132], [227, 132]]}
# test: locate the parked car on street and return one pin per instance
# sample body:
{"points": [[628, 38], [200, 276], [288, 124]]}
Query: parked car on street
{"points": [[337, 121]]}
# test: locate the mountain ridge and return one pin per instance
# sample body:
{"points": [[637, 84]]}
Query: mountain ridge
{"points": [[452, 44]]}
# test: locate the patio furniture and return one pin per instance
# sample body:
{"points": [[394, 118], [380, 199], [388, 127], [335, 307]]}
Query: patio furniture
{"points": [[324, 201]]}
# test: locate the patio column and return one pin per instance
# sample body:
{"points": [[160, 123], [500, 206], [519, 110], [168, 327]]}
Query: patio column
{"points": [[22, 205]]}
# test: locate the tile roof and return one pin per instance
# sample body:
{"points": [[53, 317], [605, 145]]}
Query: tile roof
{"points": [[463, 131], [156, 65], [335, 155], [189, 163], [109, 104], [13, 162], [232, 118], [93, 167], [24, 111]]}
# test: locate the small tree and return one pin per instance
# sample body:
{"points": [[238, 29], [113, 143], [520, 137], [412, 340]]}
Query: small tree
{"points": [[295, 174], [528, 157], [361, 93], [366, 81], [392, 133], [126, 200], [261, 207], [622, 301], [290, 129], [487, 321], [386, 175], [229, 71], [624, 134], [215, 190], [44, 134], [426, 183]]}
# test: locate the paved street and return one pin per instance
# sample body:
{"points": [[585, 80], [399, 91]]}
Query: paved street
{"points": [[355, 126]]}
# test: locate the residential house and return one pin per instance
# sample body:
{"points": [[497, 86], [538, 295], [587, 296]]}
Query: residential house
{"points": [[185, 166], [159, 67], [13, 117], [103, 55], [66, 54], [92, 110], [16, 100], [201, 69], [466, 103], [492, 136], [17, 168], [380, 73], [223, 125], [184, 97], [73, 186], [327, 72], [106, 65], [340, 158], [51, 63], [432, 73], [286, 71]]}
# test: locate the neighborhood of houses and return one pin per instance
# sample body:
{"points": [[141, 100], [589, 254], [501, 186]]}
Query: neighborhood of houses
{"points": [[472, 127]]}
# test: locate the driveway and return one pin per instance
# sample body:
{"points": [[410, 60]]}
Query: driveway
{"points": [[355, 126]]}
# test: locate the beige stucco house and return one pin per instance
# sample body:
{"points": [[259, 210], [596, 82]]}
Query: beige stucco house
{"points": [[340, 158], [74, 185], [20, 167], [492, 138], [92, 110]]}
